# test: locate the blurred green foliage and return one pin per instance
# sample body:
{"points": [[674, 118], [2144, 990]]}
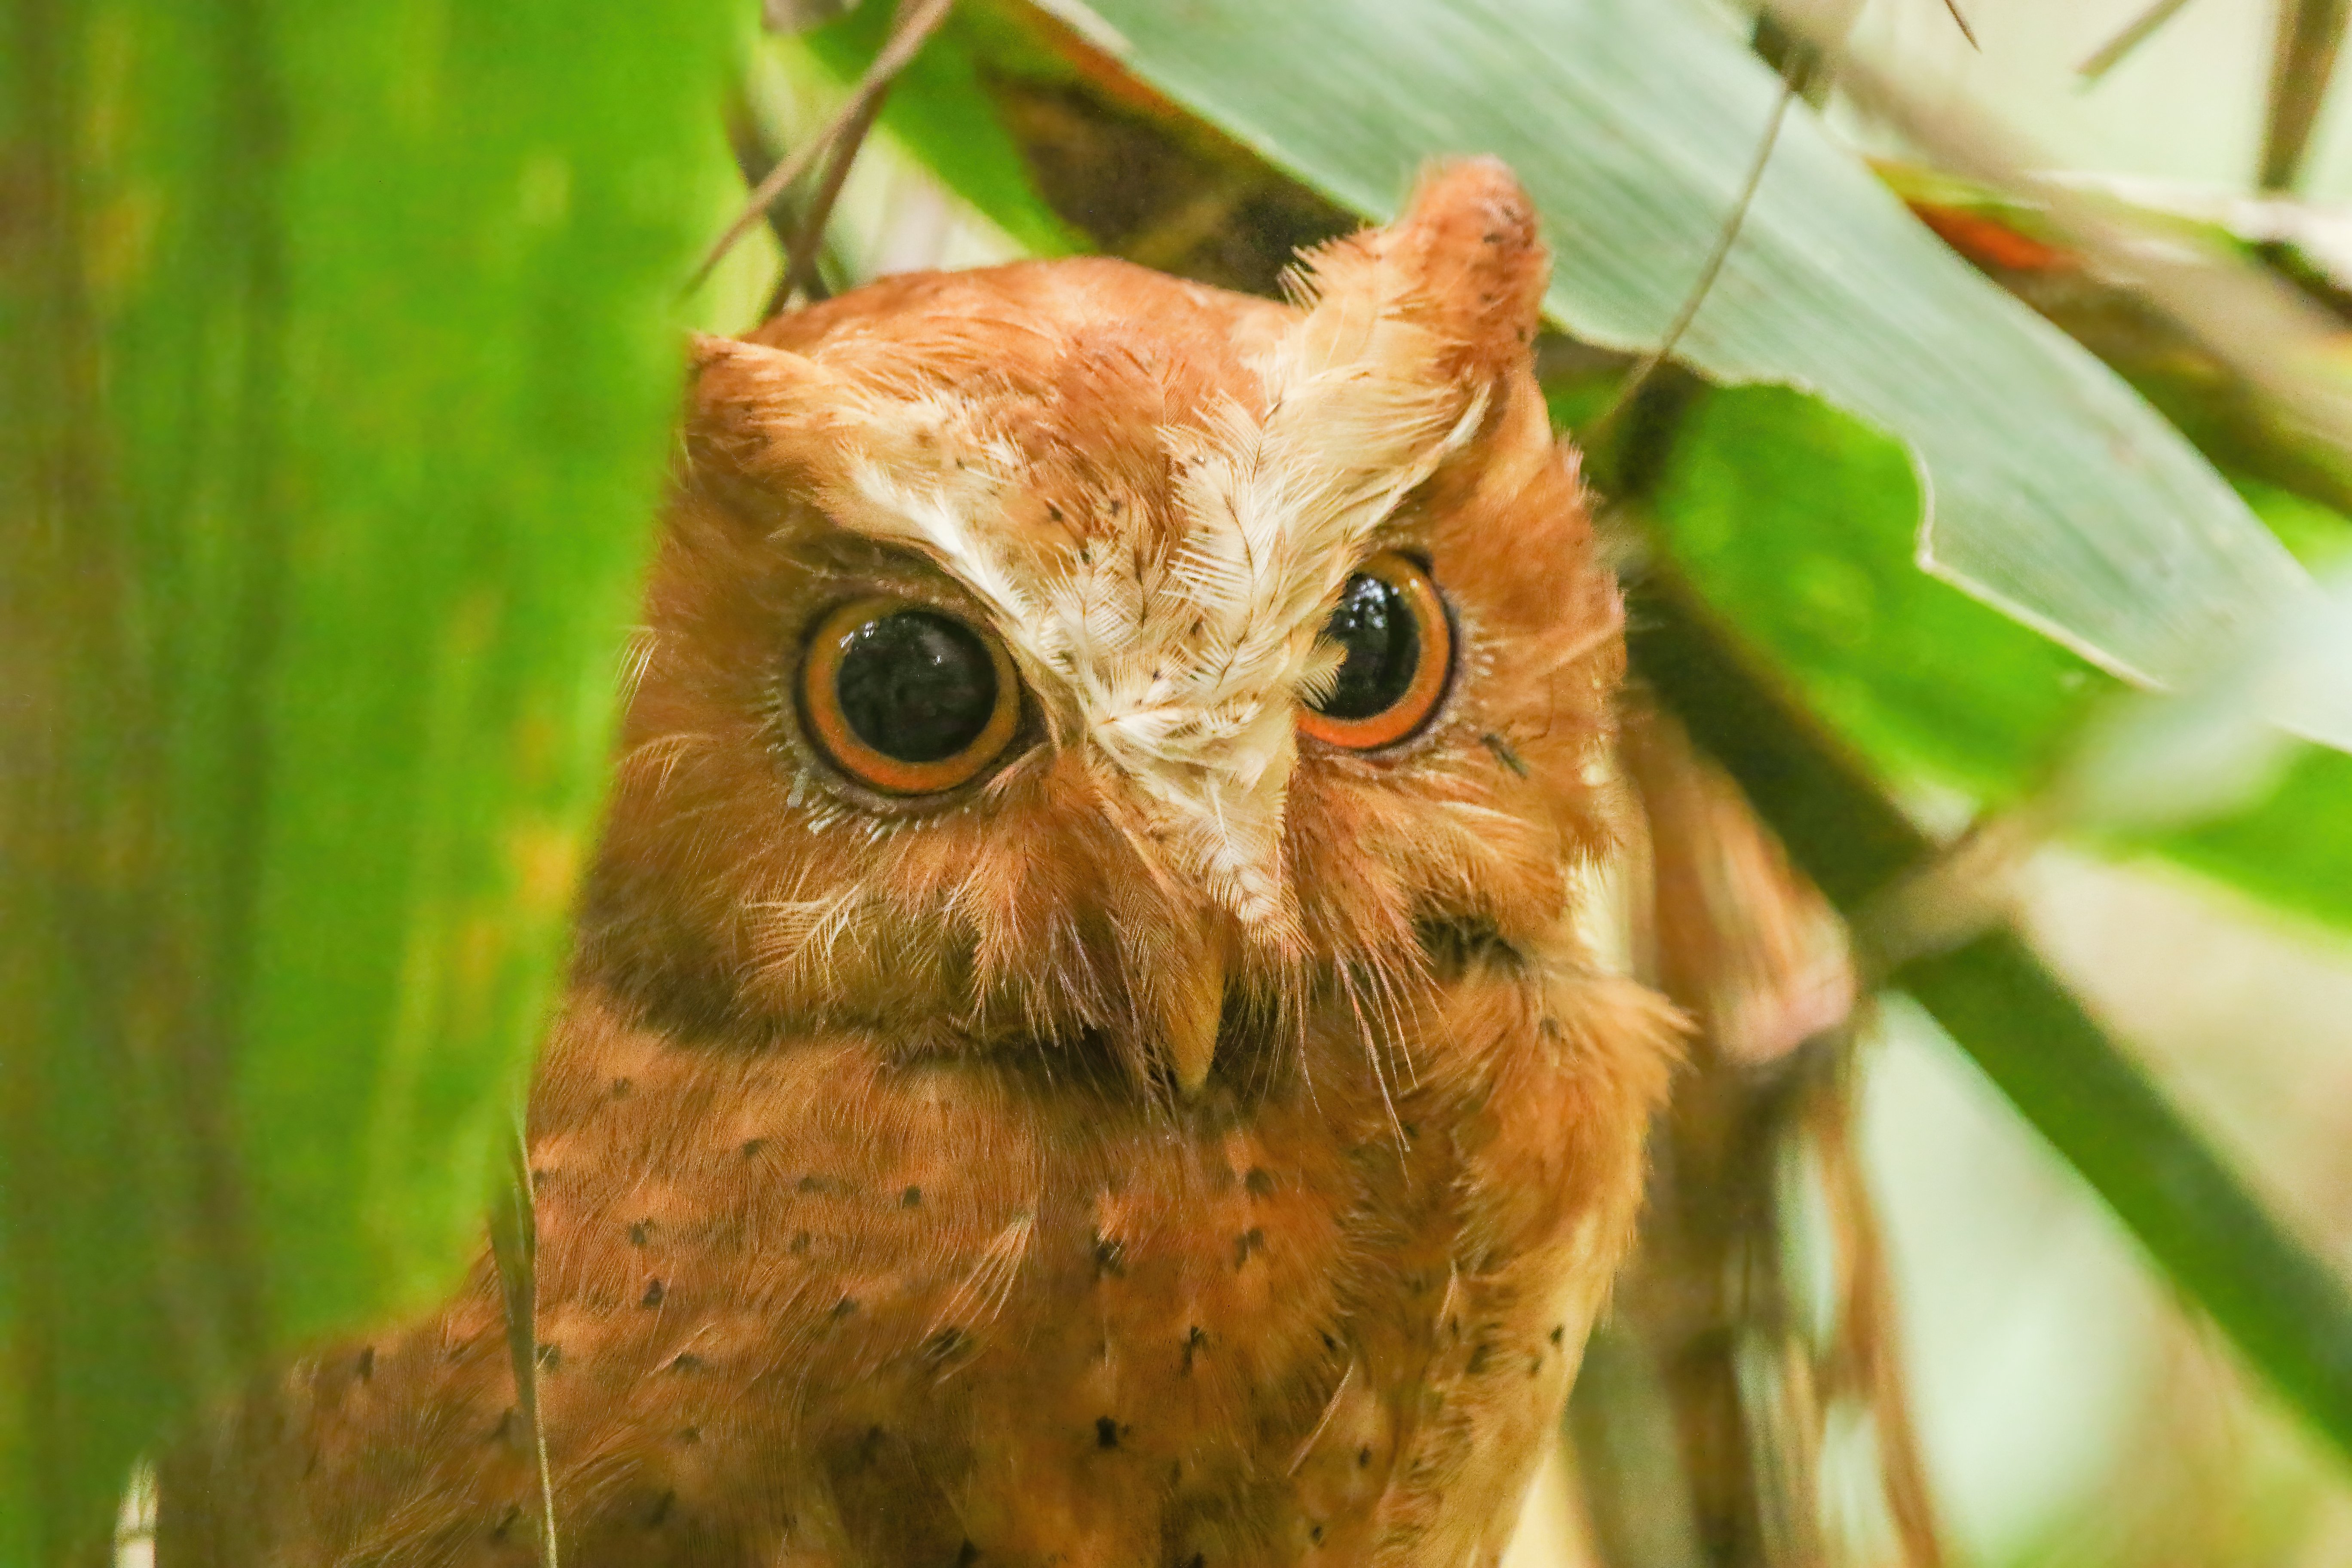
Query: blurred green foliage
{"points": [[342, 361]]}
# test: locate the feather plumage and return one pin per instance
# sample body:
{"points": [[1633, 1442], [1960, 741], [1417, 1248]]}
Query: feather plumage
{"points": [[1188, 1144]]}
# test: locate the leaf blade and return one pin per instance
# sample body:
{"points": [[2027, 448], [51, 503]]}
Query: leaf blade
{"points": [[1793, 521], [370, 308], [2054, 491]]}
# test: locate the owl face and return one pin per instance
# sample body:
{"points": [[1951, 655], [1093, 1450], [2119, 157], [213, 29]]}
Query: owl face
{"points": [[1065, 659]]}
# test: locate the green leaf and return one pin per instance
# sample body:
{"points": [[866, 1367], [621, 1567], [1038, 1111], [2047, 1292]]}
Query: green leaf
{"points": [[1794, 521], [340, 376], [2057, 494], [2295, 850]]}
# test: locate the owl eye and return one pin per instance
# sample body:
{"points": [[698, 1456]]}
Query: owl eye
{"points": [[907, 700], [1397, 648]]}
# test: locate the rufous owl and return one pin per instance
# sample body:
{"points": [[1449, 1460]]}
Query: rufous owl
{"points": [[1080, 1050]]}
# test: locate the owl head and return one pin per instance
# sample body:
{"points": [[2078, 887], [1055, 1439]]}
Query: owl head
{"points": [[1061, 658]]}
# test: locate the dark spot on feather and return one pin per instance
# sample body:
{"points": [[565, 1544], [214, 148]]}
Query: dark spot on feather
{"points": [[506, 1521], [1249, 1241], [1559, 1332], [500, 1432], [844, 1307], [660, 1514], [1535, 1366], [1106, 1432], [367, 1363], [871, 1449], [1330, 1344], [1549, 1029], [541, 1174], [751, 1147], [621, 1089], [551, 1358], [967, 1554], [800, 1244], [310, 1465], [689, 1434], [1480, 1355], [814, 1185], [1056, 513], [1259, 1184], [1364, 1457], [653, 1296], [1314, 1533], [641, 1233], [686, 1361], [1504, 753], [1195, 1338], [1110, 1258], [943, 1344], [1198, 1560], [911, 1198]]}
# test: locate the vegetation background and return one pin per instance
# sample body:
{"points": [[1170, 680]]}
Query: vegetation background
{"points": [[1957, 379]]}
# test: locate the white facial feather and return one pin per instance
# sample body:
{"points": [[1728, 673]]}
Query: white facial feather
{"points": [[1183, 671]]}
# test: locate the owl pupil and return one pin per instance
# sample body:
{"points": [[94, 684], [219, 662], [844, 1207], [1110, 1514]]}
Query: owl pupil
{"points": [[915, 686], [1375, 628]]}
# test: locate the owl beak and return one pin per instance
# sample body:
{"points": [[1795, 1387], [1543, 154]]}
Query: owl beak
{"points": [[1197, 1007]]}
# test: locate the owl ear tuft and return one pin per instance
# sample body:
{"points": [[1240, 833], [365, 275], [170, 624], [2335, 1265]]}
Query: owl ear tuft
{"points": [[764, 412], [730, 382], [1463, 261]]}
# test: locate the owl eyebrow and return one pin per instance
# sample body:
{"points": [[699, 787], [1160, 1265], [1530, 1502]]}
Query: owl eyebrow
{"points": [[1402, 531], [828, 550]]}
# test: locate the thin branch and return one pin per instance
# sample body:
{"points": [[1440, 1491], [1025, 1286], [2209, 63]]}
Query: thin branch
{"points": [[905, 40], [2109, 55], [754, 162], [2304, 63], [800, 253], [1960, 20], [1803, 53], [514, 1244], [1639, 377], [1867, 1360]]}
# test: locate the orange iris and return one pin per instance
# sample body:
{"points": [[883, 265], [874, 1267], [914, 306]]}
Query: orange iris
{"points": [[907, 699], [1392, 626]]}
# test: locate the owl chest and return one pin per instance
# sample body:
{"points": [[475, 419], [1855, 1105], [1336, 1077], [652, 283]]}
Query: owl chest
{"points": [[940, 1302]]}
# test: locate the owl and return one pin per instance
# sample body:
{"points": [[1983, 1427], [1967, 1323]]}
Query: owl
{"points": [[1082, 1048]]}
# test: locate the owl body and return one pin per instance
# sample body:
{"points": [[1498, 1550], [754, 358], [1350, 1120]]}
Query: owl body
{"points": [[1196, 1135]]}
